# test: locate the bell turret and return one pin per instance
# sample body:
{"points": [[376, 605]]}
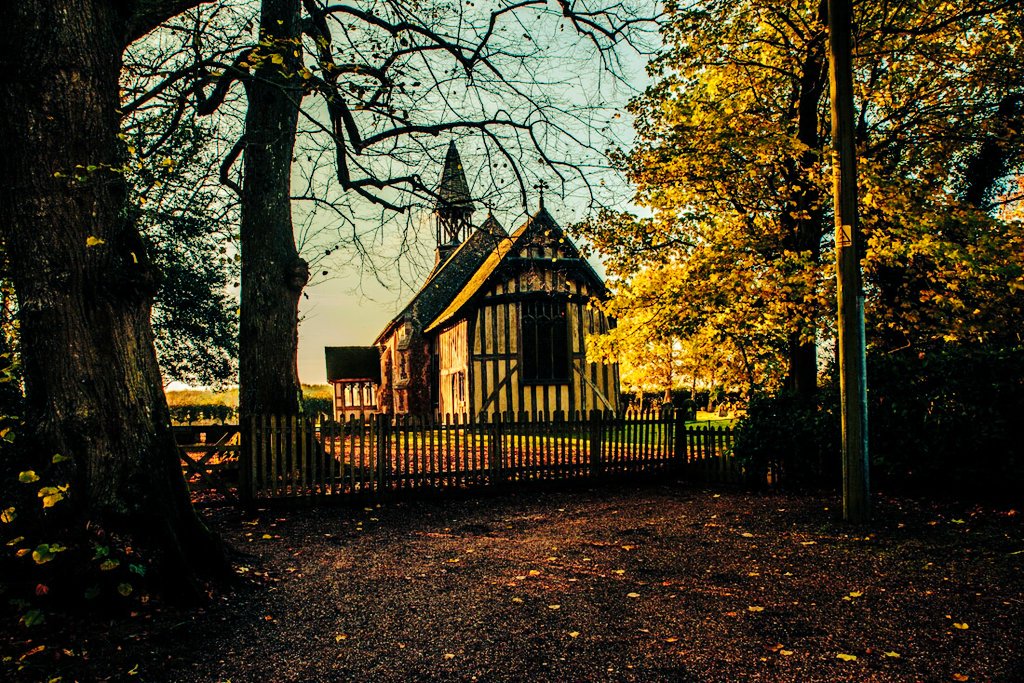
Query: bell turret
{"points": [[454, 206]]}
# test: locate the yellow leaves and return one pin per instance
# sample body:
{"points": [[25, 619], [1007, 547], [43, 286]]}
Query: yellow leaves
{"points": [[517, 600], [960, 677], [8, 515], [755, 608], [449, 655], [894, 655], [44, 552], [846, 658], [28, 477], [961, 626], [533, 572], [93, 241], [633, 595], [110, 564], [574, 634], [340, 637], [554, 607], [52, 495]]}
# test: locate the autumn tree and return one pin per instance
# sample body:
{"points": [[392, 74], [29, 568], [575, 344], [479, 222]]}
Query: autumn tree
{"points": [[730, 159]]}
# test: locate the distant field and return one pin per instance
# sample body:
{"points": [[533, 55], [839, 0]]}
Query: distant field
{"points": [[205, 406]]}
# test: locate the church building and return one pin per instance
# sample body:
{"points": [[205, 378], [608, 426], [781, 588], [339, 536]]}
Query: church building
{"points": [[499, 325]]}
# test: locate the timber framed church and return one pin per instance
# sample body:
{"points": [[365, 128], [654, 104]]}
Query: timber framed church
{"points": [[499, 325]]}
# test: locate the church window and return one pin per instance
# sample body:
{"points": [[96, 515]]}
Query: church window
{"points": [[545, 342]]}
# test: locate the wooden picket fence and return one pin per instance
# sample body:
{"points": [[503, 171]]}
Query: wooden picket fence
{"points": [[299, 458]]}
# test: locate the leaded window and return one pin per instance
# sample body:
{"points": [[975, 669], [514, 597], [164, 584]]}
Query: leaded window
{"points": [[544, 326]]}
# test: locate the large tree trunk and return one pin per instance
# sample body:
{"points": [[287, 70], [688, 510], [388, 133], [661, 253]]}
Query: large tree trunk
{"points": [[803, 218], [273, 275], [84, 286]]}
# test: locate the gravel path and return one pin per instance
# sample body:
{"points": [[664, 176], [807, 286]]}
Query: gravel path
{"points": [[661, 583]]}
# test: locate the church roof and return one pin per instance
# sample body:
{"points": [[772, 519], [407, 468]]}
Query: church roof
{"points": [[453, 191], [541, 221], [352, 362], [449, 277]]}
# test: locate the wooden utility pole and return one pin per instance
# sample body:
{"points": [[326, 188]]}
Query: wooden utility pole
{"points": [[849, 290]]}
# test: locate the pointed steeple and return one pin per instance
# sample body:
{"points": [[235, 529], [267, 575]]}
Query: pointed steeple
{"points": [[453, 190], [454, 205]]}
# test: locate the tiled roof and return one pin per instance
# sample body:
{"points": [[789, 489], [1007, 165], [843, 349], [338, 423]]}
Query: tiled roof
{"points": [[449, 278], [352, 362]]}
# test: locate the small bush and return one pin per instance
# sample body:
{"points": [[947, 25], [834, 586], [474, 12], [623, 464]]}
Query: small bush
{"points": [[798, 442]]}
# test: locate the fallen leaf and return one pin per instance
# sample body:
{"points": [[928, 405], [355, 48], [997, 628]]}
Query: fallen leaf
{"points": [[618, 571], [340, 637], [856, 594], [449, 655], [632, 595], [962, 627], [747, 534], [895, 655], [534, 572], [960, 677], [554, 607], [785, 653], [846, 657], [671, 640], [518, 601], [755, 608], [574, 634]]}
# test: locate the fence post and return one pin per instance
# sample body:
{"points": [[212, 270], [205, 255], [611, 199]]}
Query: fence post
{"points": [[494, 451], [595, 443], [246, 462], [679, 438], [382, 451]]}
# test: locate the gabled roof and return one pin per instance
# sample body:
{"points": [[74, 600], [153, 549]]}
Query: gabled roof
{"points": [[453, 191], [352, 362], [541, 221], [449, 277]]}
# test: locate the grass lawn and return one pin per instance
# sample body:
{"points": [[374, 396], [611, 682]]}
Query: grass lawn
{"points": [[660, 583]]}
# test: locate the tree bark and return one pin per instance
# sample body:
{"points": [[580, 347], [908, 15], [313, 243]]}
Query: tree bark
{"points": [[803, 218], [84, 286], [273, 275]]}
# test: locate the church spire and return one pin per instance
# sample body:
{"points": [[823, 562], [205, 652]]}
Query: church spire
{"points": [[454, 205]]}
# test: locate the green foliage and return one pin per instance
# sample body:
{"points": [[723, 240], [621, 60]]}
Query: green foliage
{"points": [[797, 441], [948, 419], [188, 224], [203, 412]]}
